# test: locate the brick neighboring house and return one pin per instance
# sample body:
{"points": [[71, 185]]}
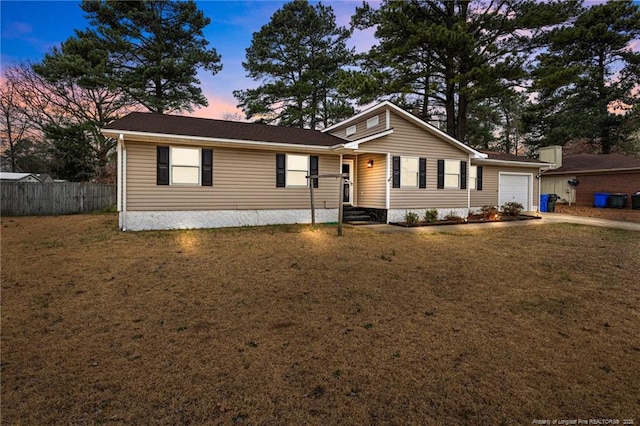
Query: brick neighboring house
{"points": [[610, 173]]}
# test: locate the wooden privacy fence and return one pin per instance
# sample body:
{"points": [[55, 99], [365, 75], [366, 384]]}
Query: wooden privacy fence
{"points": [[45, 199]]}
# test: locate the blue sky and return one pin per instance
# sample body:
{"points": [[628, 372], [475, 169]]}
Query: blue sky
{"points": [[29, 29]]}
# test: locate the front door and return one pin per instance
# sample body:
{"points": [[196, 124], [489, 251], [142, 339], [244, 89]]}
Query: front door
{"points": [[347, 190]]}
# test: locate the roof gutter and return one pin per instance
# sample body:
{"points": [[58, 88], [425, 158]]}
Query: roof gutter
{"points": [[489, 161], [578, 172]]}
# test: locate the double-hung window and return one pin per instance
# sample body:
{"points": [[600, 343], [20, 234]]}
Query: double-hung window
{"points": [[297, 170], [409, 172], [185, 166], [176, 165], [409, 169], [473, 177], [451, 173], [292, 170]]}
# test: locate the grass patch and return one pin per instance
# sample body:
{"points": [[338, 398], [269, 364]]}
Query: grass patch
{"points": [[293, 325]]}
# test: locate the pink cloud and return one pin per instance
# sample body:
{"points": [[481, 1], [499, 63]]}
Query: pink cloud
{"points": [[218, 108]]}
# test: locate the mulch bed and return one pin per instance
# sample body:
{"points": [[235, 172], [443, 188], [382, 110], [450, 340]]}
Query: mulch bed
{"points": [[470, 219], [625, 215]]}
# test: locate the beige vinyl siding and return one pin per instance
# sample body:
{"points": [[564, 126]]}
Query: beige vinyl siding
{"points": [[408, 139], [242, 179], [371, 188], [361, 127], [490, 181], [559, 185]]}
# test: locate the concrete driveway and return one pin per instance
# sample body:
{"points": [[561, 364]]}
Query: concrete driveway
{"points": [[546, 219]]}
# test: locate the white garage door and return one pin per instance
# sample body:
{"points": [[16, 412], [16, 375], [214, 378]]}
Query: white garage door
{"points": [[515, 188]]}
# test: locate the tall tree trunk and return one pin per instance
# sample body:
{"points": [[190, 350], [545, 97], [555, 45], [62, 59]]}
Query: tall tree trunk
{"points": [[450, 106], [461, 125]]}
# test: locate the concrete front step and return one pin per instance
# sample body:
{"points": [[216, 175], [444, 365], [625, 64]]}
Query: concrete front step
{"points": [[359, 217]]}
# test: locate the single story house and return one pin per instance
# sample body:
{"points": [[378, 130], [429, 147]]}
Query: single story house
{"points": [[577, 177], [25, 177], [185, 172]]}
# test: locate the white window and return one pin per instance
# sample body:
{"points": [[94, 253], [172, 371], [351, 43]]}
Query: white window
{"points": [[351, 130], [297, 170], [373, 121], [473, 177], [409, 169], [451, 173], [185, 166]]}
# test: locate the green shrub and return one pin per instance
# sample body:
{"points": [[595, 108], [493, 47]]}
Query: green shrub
{"points": [[512, 208], [431, 215], [411, 218], [489, 212]]}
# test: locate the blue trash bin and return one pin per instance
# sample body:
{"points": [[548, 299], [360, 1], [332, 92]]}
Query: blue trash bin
{"points": [[544, 201], [600, 200]]}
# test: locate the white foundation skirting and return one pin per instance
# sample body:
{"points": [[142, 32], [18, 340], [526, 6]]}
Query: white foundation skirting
{"points": [[155, 220], [398, 215]]}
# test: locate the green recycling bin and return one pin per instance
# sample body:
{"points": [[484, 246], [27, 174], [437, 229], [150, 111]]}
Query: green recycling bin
{"points": [[635, 201]]}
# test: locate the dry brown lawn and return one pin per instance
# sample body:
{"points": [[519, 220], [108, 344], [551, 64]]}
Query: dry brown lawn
{"points": [[290, 325]]}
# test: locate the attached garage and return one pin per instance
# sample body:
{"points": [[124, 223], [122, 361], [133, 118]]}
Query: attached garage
{"points": [[515, 187]]}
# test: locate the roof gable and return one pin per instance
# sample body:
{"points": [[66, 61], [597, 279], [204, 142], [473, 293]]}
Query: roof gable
{"points": [[164, 124], [386, 105]]}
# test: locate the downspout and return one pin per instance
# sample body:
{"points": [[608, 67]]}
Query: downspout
{"points": [[119, 180], [539, 188], [469, 186], [124, 185], [387, 204]]}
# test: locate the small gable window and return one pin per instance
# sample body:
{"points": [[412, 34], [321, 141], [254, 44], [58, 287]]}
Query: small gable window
{"points": [[351, 130], [373, 121]]}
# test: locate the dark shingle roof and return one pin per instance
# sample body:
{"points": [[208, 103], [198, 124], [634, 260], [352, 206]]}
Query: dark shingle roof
{"points": [[587, 162], [220, 129]]}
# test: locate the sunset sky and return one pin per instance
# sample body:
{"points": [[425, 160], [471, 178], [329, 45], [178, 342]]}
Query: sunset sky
{"points": [[32, 28], [29, 29]]}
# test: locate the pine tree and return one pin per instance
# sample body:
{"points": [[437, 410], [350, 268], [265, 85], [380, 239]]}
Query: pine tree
{"points": [[298, 57], [587, 80], [154, 48], [441, 57]]}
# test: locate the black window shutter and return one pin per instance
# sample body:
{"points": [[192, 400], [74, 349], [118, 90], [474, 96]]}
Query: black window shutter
{"points": [[479, 179], [440, 174], [207, 167], [422, 175], [463, 175], [162, 165], [314, 169], [396, 172], [280, 171]]}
